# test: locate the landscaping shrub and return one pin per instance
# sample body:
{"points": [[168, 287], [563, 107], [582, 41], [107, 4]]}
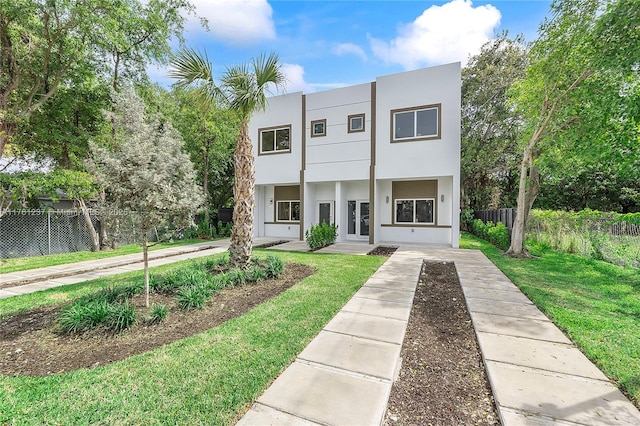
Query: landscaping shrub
{"points": [[612, 237], [321, 235], [83, 315], [224, 231], [121, 316], [256, 273], [157, 313], [274, 266], [498, 235], [192, 297], [236, 276]]}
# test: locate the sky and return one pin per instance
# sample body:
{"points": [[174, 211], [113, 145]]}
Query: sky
{"points": [[329, 44]]}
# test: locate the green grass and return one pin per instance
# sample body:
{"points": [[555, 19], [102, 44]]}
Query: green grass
{"points": [[595, 303], [25, 263], [207, 379]]}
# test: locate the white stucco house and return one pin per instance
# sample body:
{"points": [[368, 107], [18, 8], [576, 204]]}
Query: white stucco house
{"points": [[381, 160]]}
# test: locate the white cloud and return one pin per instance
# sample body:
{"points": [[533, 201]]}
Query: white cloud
{"points": [[447, 33], [238, 21], [349, 49], [295, 82]]}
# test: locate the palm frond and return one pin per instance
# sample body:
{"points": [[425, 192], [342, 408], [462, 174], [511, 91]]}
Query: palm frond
{"points": [[189, 67], [268, 71]]}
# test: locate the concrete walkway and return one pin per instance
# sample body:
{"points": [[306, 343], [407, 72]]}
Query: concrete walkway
{"points": [[345, 374]]}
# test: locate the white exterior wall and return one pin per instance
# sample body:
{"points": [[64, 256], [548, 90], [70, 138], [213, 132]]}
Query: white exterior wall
{"points": [[427, 159], [339, 155], [279, 168]]}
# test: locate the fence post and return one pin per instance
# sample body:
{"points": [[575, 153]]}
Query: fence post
{"points": [[49, 229]]}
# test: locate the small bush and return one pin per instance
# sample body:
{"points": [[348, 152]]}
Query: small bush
{"points": [[121, 316], [157, 313], [273, 266], [256, 273], [321, 235], [236, 276], [83, 315], [192, 297], [499, 236]]}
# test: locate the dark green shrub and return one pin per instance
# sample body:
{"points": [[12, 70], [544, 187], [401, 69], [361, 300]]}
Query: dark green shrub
{"points": [[192, 297], [499, 236], [157, 313], [321, 235], [121, 316], [466, 218], [256, 273], [83, 315], [236, 276], [273, 266]]}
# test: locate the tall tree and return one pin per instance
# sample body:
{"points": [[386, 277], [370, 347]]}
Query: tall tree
{"points": [[209, 133], [150, 176], [243, 89], [579, 43], [490, 125], [40, 42]]}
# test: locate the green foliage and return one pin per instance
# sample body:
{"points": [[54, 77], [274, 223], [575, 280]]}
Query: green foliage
{"points": [[490, 125], [256, 273], [224, 231], [157, 313], [83, 315], [466, 218], [274, 266], [497, 235], [121, 316], [192, 297], [606, 236], [236, 276], [319, 236]]}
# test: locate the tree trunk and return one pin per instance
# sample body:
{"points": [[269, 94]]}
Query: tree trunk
{"points": [[6, 132], [95, 238], [145, 258], [205, 182], [243, 191], [527, 193]]}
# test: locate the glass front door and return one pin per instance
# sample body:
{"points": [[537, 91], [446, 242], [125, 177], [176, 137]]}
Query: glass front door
{"points": [[325, 212], [358, 218]]}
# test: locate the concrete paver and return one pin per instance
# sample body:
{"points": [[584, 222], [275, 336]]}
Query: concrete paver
{"points": [[549, 356], [368, 326], [326, 396], [514, 326], [522, 310], [383, 308], [387, 294], [363, 356]]}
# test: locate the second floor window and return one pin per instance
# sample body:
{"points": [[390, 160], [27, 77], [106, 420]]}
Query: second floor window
{"points": [[275, 140], [417, 123]]}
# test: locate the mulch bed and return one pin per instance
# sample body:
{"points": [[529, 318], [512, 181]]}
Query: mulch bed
{"points": [[30, 345], [383, 251], [442, 380]]}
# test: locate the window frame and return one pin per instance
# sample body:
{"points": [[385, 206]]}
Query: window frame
{"points": [[313, 128], [415, 205], [290, 220], [350, 128], [274, 129], [437, 135]]}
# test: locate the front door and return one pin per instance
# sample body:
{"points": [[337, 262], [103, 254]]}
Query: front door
{"points": [[358, 219], [325, 212]]}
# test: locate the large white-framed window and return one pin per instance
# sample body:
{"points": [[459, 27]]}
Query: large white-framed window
{"points": [[275, 139], [416, 123], [356, 123], [318, 128], [288, 211], [417, 211]]}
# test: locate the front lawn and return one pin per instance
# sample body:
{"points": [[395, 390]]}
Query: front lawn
{"points": [[209, 378], [24, 263], [595, 303]]}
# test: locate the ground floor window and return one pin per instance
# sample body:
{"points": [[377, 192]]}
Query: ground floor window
{"points": [[288, 211], [415, 211]]}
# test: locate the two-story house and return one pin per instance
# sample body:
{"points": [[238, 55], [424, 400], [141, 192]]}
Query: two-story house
{"points": [[381, 160]]}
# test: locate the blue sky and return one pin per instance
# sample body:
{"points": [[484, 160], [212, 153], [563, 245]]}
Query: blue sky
{"points": [[329, 44]]}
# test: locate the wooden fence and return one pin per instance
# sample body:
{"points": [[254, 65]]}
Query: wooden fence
{"points": [[506, 216]]}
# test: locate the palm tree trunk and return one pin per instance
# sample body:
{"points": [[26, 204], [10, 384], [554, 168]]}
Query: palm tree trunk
{"points": [[243, 192]]}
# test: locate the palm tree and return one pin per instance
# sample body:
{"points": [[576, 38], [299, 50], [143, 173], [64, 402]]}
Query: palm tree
{"points": [[242, 90]]}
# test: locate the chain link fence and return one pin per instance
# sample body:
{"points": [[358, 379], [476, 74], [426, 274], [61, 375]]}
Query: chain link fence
{"points": [[38, 232]]}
